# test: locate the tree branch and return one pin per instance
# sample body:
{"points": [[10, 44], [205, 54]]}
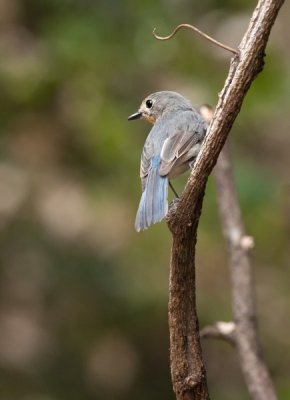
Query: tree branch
{"points": [[187, 368], [243, 299]]}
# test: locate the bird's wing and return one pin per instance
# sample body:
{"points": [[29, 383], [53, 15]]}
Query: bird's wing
{"points": [[152, 147], [186, 131], [146, 156]]}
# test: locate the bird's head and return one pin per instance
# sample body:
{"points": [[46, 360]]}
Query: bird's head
{"points": [[157, 104]]}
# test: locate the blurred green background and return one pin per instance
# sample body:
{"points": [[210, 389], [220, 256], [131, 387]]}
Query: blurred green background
{"points": [[83, 298]]}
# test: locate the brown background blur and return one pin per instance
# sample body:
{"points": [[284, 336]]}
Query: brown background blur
{"points": [[83, 298]]}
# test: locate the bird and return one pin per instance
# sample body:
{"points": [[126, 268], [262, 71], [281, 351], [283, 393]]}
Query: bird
{"points": [[169, 150]]}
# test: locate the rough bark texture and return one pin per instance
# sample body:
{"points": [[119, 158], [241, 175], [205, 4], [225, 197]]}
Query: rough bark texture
{"points": [[243, 299], [187, 368]]}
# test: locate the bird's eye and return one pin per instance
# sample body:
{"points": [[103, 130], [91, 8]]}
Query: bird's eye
{"points": [[149, 103]]}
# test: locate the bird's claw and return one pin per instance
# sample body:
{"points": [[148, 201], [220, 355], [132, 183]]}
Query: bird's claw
{"points": [[172, 208]]}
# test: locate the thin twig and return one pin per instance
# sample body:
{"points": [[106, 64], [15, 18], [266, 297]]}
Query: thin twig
{"points": [[193, 28]]}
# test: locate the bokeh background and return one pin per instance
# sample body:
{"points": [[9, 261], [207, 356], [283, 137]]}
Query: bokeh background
{"points": [[83, 298]]}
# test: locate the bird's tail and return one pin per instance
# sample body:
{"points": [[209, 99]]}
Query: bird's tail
{"points": [[153, 204]]}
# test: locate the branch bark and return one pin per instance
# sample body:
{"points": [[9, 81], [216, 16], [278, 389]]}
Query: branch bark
{"points": [[243, 299], [187, 367]]}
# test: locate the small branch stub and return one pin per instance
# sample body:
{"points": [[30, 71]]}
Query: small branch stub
{"points": [[247, 242], [220, 330]]}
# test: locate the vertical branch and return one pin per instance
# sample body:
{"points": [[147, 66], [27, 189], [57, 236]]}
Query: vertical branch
{"points": [[243, 299], [187, 368]]}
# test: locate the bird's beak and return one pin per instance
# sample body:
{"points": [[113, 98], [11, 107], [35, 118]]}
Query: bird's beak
{"points": [[135, 116]]}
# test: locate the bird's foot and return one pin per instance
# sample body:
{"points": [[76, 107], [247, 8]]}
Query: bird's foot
{"points": [[172, 208]]}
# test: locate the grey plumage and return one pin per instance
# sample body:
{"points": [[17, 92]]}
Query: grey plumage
{"points": [[169, 150]]}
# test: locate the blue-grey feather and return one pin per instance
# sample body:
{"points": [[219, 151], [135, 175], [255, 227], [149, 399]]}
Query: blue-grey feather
{"points": [[153, 204]]}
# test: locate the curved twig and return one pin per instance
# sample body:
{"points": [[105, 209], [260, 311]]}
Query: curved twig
{"points": [[193, 28]]}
